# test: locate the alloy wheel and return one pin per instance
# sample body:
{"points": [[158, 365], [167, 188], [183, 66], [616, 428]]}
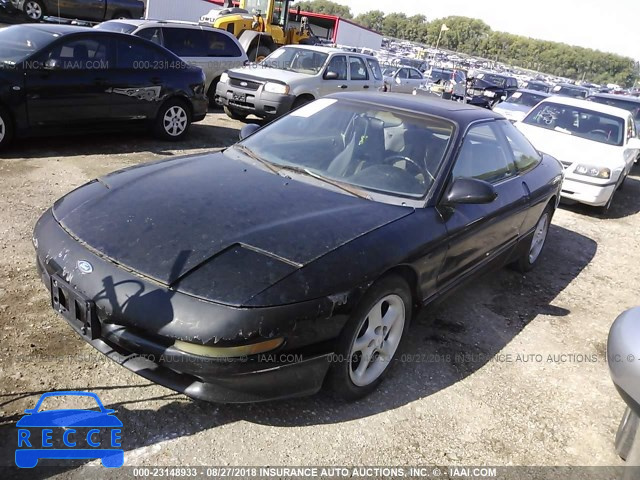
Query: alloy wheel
{"points": [[3, 129], [33, 10], [175, 121], [377, 340], [539, 237]]}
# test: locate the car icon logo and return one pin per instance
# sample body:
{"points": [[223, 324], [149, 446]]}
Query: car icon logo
{"points": [[77, 433], [244, 84], [84, 266]]}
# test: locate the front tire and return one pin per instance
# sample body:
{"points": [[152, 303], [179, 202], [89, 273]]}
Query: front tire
{"points": [[370, 339], [257, 54], [34, 10], [6, 128], [173, 120], [530, 258]]}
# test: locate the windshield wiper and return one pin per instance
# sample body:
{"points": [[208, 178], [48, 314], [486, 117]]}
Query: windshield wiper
{"points": [[253, 156], [356, 192]]}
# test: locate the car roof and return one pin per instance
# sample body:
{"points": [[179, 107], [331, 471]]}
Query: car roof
{"points": [[489, 72], [613, 96], [461, 113], [55, 28], [588, 105], [140, 22]]}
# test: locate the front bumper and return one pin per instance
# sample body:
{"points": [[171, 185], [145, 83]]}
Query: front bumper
{"points": [[200, 107], [139, 321], [256, 102], [587, 193]]}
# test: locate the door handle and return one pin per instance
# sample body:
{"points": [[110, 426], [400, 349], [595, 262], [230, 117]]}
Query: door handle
{"points": [[343, 86], [366, 86]]}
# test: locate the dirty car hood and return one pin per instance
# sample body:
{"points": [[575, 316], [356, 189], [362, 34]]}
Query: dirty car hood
{"points": [[170, 219]]}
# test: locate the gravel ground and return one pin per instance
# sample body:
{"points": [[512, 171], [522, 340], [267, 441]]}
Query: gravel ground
{"points": [[510, 370]]}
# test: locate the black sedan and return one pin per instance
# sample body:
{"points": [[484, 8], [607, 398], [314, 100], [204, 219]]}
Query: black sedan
{"points": [[297, 257], [57, 77]]}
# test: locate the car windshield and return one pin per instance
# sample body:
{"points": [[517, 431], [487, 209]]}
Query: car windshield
{"points": [[113, 26], [630, 106], [299, 60], [255, 6], [579, 122], [539, 87], [569, 91], [436, 75], [525, 98], [19, 42], [356, 145], [493, 79]]}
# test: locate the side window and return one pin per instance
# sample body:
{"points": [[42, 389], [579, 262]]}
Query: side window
{"points": [[482, 156], [403, 73], [358, 69], [220, 45], [375, 68], [338, 65], [185, 42], [152, 34], [415, 74], [524, 154], [81, 54], [134, 55]]}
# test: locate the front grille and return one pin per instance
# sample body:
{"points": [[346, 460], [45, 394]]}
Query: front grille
{"points": [[246, 84]]}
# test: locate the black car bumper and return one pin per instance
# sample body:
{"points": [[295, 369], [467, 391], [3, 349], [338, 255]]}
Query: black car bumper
{"points": [[256, 102], [139, 334], [200, 105]]}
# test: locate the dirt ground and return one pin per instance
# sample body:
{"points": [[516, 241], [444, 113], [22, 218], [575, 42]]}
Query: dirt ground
{"points": [[511, 370]]}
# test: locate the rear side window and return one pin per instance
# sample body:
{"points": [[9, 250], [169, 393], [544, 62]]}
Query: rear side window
{"points": [[415, 75], [524, 154], [152, 34], [81, 54], [185, 42], [220, 45], [375, 68]]}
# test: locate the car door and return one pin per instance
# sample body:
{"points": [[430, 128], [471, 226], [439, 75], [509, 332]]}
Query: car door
{"points": [[401, 81], [415, 80], [68, 83], [142, 74], [479, 233], [84, 9], [359, 78], [337, 64]]}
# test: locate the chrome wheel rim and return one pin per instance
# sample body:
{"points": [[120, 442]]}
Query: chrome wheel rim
{"points": [[539, 237], [377, 340], [33, 10], [3, 129], [175, 121]]}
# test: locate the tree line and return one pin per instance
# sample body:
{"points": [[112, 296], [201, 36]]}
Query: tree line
{"points": [[474, 37]]}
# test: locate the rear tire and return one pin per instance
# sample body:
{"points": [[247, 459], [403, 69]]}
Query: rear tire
{"points": [[173, 120], [257, 54], [234, 114], [529, 259], [6, 128], [374, 332]]}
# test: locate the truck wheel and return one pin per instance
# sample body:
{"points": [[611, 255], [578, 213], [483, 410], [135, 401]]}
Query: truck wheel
{"points": [[257, 54], [173, 120], [34, 10], [6, 128], [234, 114], [123, 14]]}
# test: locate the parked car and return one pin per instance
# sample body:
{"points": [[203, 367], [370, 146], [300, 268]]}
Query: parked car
{"points": [[309, 243], [293, 76], [570, 90], [517, 106], [211, 49], [597, 144], [445, 82], [537, 85], [402, 79], [504, 82], [76, 78], [95, 11], [624, 368], [627, 102]]}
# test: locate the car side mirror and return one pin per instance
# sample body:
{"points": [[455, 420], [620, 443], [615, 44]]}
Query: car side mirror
{"points": [[248, 130], [470, 191], [331, 76], [622, 345]]}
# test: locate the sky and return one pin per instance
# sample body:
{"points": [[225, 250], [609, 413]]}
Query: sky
{"points": [[602, 25]]}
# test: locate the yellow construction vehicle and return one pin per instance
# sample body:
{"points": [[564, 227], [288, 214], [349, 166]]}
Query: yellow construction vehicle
{"points": [[261, 26]]}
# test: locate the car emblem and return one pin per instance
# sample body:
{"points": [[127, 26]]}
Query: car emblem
{"points": [[84, 266], [244, 84]]}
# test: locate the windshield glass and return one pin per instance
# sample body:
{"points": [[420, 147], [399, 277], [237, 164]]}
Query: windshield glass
{"points": [[630, 106], [299, 60], [19, 42], [255, 6], [579, 122], [494, 79], [371, 148], [539, 87], [113, 26], [436, 75], [569, 91], [525, 98]]}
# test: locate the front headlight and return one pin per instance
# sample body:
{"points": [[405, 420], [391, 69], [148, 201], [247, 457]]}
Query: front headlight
{"points": [[589, 171], [224, 78], [489, 94], [228, 352], [278, 88]]}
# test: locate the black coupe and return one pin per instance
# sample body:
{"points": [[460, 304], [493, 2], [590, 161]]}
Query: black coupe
{"points": [[68, 78], [297, 257]]}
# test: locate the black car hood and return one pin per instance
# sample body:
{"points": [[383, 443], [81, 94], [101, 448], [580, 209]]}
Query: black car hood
{"points": [[220, 220]]}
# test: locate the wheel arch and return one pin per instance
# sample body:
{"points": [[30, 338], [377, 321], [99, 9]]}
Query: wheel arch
{"points": [[408, 274]]}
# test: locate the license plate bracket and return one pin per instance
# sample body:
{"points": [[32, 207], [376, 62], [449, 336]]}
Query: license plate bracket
{"points": [[78, 310], [240, 97]]}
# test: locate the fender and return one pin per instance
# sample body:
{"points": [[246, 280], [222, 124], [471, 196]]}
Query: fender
{"points": [[249, 38]]}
